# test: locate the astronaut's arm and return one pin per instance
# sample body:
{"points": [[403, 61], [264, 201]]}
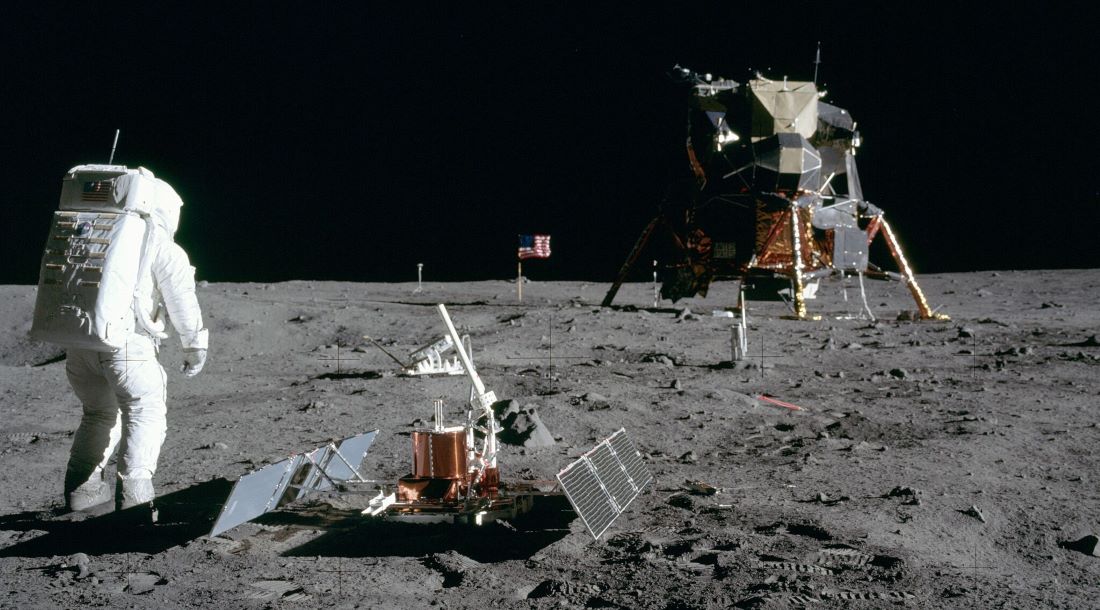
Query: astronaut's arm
{"points": [[175, 277]]}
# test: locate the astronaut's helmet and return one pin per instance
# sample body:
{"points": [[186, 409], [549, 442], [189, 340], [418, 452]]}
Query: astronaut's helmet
{"points": [[166, 207]]}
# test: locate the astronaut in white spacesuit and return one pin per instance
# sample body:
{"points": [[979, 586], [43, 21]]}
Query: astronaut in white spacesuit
{"points": [[123, 392]]}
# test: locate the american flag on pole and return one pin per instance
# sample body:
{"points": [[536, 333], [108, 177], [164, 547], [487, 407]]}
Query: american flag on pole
{"points": [[534, 246]]}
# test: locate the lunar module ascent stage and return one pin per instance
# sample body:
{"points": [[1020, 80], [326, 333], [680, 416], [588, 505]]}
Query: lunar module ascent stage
{"points": [[770, 194], [455, 474]]}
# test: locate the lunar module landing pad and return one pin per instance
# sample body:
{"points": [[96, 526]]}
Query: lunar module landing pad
{"points": [[455, 475]]}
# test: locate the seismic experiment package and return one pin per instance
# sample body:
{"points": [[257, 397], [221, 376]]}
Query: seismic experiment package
{"points": [[455, 475], [770, 194]]}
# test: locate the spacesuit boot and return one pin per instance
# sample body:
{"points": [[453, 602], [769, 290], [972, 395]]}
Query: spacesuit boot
{"points": [[132, 492], [136, 496], [83, 492]]}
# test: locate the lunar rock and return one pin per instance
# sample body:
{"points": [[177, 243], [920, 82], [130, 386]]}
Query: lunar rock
{"points": [[522, 426], [1086, 544]]}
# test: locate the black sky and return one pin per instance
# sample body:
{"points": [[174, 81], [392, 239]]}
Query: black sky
{"points": [[352, 141]]}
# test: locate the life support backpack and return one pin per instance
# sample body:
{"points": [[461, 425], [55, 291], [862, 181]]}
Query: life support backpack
{"points": [[98, 249]]}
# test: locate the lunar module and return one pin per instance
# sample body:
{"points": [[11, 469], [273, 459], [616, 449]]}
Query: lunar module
{"points": [[455, 475], [769, 194]]}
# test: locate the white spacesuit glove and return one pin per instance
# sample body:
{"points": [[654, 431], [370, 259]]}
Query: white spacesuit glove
{"points": [[193, 361]]}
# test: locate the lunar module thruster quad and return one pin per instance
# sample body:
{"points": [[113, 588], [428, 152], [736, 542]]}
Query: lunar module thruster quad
{"points": [[455, 476], [769, 194]]}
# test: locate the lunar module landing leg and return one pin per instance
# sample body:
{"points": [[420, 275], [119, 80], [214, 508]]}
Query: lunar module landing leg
{"points": [[789, 258], [630, 260], [796, 266], [907, 275], [690, 276]]}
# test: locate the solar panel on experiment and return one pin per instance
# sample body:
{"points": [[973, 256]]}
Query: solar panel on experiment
{"points": [[603, 482]]}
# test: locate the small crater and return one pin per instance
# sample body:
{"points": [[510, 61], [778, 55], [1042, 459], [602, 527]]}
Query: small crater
{"points": [[707, 559], [810, 531], [679, 548], [885, 561]]}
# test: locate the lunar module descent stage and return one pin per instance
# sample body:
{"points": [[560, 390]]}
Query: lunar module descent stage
{"points": [[770, 194], [455, 474]]}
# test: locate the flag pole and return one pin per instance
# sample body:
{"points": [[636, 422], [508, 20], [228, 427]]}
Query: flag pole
{"points": [[519, 279]]}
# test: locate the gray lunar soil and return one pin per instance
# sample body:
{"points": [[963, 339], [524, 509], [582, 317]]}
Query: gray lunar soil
{"points": [[933, 464]]}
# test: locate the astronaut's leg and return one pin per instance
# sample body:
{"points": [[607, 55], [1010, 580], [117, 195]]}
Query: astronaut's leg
{"points": [[97, 434], [139, 385]]}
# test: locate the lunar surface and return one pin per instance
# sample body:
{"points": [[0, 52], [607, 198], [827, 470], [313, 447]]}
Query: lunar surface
{"points": [[928, 464]]}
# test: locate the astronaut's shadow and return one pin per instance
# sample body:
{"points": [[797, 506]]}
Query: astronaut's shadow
{"points": [[182, 516]]}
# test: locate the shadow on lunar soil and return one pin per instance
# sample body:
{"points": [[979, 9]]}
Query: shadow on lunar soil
{"points": [[359, 375], [524, 536], [183, 516]]}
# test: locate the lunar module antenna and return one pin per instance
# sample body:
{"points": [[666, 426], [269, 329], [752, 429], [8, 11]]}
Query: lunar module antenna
{"points": [[817, 61], [113, 147]]}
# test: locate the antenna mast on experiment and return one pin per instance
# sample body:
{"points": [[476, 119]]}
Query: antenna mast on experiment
{"points": [[817, 62]]}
